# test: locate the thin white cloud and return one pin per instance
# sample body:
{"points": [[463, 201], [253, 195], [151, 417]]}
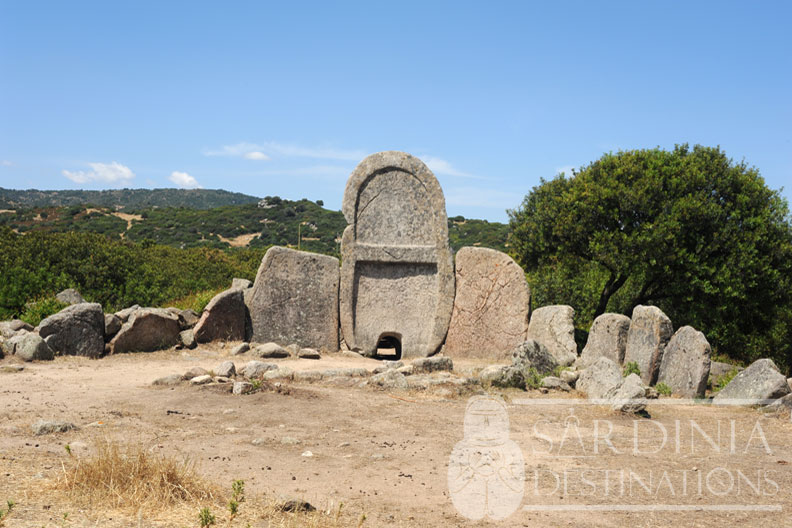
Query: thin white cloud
{"points": [[6, 163], [184, 180], [112, 172], [257, 155], [273, 149], [441, 166]]}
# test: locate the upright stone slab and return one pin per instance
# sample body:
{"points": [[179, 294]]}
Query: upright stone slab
{"points": [[223, 318], [650, 330], [295, 299], [491, 306], [554, 327], [397, 278], [686, 363], [607, 338]]}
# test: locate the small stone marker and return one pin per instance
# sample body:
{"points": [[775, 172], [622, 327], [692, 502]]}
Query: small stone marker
{"points": [[554, 327], [650, 331], [686, 363], [397, 278]]}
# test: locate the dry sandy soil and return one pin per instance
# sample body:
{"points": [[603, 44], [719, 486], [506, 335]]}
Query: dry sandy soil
{"points": [[383, 454]]}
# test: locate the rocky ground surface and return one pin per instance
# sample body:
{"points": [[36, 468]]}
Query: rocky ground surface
{"points": [[379, 444]]}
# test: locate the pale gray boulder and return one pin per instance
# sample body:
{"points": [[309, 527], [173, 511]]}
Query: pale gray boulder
{"points": [[194, 372], [650, 331], [269, 351], [240, 349], [757, 384], [223, 318], [607, 338], [308, 353], [70, 296], [629, 397], [554, 383], [125, 314], [112, 325], [554, 327], [242, 284], [9, 328], [570, 376], [187, 338], [254, 369], [686, 363], [77, 330], [147, 330], [32, 347], [226, 369], [433, 364], [533, 354], [600, 380]]}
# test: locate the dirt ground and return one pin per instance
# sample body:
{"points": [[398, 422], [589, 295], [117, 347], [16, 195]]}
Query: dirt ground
{"points": [[385, 454]]}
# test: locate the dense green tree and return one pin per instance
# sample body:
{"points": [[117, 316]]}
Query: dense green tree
{"points": [[688, 230]]}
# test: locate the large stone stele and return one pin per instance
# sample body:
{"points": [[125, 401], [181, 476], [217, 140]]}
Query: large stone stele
{"points": [[397, 277], [554, 327], [491, 306], [148, 329], [223, 318], [650, 330], [759, 383], [76, 330], [686, 363], [607, 338], [295, 299]]}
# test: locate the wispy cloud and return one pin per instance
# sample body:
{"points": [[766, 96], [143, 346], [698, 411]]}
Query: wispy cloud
{"points": [[271, 149], [6, 163], [441, 166], [112, 172], [184, 180]]}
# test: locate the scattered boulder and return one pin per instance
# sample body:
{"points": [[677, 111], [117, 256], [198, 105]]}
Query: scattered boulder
{"points": [[240, 349], [491, 306], [9, 328], [686, 363], [147, 329], [629, 397], [70, 296], [254, 369], [553, 326], [194, 372], [168, 381], [223, 318], [187, 318], [433, 364], [570, 376], [553, 383], [242, 284], [10, 345], [759, 382], [532, 354], [308, 353], [295, 299], [600, 379], [607, 338], [201, 380], [270, 351], [390, 379], [43, 427], [650, 331], [112, 325], [187, 338], [781, 404], [242, 387], [226, 369], [76, 330], [293, 349], [33, 348], [126, 313]]}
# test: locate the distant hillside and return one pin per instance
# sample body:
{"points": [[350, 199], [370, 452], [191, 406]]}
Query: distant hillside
{"points": [[123, 198]]}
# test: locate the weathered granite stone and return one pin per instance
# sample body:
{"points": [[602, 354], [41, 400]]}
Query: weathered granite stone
{"points": [[240, 349], [491, 306], [168, 381], [570, 376], [269, 351], [532, 354], [397, 277], [148, 329], [76, 330], [242, 284], [295, 299], [719, 370], [553, 383], [194, 372], [686, 363], [553, 326], [223, 318], [781, 404], [433, 364], [187, 319], [308, 353], [629, 397], [226, 369], [600, 380], [127, 312], [254, 369], [187, 338], [390, 379], [112, 325], [9, 328], [242, 387], [201, 380], [650, 330], [607, 338], [33, 348], [10, 345], [70, 296], [760, 381]]}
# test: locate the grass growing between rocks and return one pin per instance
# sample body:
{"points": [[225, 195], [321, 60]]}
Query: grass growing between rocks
{"points": [[195, 301]]}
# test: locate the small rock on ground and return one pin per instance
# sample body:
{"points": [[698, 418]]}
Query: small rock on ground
{"points": [[432, 364], [43, 427]]}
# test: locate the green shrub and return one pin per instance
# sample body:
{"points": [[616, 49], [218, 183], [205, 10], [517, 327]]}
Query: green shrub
{"points": [[663, 389], [724, 380], [40, 309], [631, 368]]}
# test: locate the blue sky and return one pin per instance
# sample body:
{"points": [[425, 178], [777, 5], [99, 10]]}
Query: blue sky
{"points": [[285, 98]]}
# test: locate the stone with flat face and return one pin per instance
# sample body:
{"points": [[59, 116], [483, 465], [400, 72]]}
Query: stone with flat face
{"points": [[491, 306], [295, 299], [607, 338], [397, 278], [686, 363], [554, 327], [650, 331]]}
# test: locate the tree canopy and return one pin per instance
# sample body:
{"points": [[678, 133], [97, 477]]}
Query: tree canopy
{"points": [[687, 230]]}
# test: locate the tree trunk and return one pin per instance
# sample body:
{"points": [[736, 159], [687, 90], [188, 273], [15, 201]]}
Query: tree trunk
{"points": [[611, 287]]}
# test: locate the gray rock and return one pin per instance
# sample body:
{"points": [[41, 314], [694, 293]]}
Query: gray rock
{"points": [[194, 372], [308, 375], [226, 369], [147, 329], [607, 338], [629, 396], [32, 348], [223, 318], [240, 349], [270, 351], [126, 313], [650, 331], [242, 387], [201, 380], [295, 299], [600, 380], [70, 296], [112, 325], [503, 376], [390, 379], [10, 345], [76, 330], [187, 338], [570, 376], [781, 404], [554, 327], [759, 382], [9, 328], [553, 383], [350, 372], [187, 318], [168, 381], [532, 354], [491, 374], [280, 372], [254, 369], [397, 276], [686, 363], [43, 427], [719, 370], [789, 382], [491, 306], [293, 349], [386, 365], [242, 284], [406, 370], [433, 364], [308, 353]]}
